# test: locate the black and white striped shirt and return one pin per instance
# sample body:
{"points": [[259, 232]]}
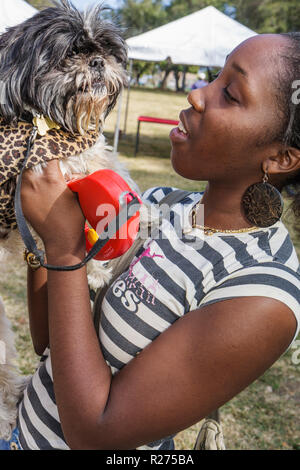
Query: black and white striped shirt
{"points": [[172, 274]]}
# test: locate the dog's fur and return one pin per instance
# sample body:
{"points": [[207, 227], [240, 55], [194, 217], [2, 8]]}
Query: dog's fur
{"points": [[70, 67]]}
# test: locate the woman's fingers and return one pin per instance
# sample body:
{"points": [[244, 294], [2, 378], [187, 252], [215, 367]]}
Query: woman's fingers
{"points": [[40, 190], [50, 173], [49, 205], [74, 176]]}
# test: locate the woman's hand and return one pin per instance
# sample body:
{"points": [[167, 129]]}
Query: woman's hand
{"points": [[53, 210]]}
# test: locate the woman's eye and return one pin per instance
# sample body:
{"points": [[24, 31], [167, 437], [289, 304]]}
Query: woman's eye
{"points": [[228, 96]]}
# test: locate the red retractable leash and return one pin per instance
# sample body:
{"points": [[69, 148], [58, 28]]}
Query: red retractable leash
{"points": [[102, 197]]}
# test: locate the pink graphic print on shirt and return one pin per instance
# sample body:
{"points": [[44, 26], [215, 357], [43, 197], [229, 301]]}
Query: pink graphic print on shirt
{"points": [[145, 253], [132, 289]]}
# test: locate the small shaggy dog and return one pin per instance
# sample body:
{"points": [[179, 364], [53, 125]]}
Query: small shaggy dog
{"points": [[62, 70]]}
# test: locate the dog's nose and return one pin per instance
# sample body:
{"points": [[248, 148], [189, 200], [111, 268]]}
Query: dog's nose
{"points": [[97, 63]]}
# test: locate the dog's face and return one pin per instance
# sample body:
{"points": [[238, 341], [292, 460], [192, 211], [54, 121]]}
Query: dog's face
{"points": [[66, 65]]}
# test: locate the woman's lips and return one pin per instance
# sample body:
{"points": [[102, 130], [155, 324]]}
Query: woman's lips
{"points": [[183, 122], [176, 135], [180, 133]]}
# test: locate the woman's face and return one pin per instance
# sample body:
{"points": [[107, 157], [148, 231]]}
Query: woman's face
{"points": [[229, 118]]}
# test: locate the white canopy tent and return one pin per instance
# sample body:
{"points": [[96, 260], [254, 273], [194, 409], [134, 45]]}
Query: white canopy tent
{"points": [[13, 12], [204, 38]]}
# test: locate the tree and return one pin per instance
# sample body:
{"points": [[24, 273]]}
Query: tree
{"points": [[166, 67], [263, 16], [141, 68], [138, 16], [268, 16], [247, 13], [178, 8], [279, 17]]}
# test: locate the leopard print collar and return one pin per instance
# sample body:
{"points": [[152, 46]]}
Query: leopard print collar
{"points": [[55, 144]]}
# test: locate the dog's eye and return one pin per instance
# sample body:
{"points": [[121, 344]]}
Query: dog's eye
{"points": [[80, 40], [72, 52], [79, 46]]}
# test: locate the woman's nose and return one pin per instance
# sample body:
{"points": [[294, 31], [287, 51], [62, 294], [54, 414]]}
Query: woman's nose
{"points": [[196, 99]]}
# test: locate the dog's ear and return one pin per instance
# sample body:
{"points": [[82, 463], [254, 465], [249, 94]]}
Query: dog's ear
{"points": [[5, 38]]}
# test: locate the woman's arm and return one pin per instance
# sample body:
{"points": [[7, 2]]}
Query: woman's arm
{"points": [[195, 366], [37, 299]]}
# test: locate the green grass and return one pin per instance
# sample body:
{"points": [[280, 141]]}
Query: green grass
{"points": [[265, 415]]}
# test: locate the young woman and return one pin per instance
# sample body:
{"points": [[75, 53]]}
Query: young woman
{"points": [[212, 318]]}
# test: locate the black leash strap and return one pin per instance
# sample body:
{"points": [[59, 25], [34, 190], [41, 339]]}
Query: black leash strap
{"points": [[111, 229]]}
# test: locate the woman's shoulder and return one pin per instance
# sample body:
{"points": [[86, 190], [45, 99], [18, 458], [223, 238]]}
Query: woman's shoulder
{"points": [[269, 244], [261, 264], [156, 194], [282, 247]]}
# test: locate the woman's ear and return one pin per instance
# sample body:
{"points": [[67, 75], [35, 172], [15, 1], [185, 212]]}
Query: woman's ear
{"points": [[287, 161]]}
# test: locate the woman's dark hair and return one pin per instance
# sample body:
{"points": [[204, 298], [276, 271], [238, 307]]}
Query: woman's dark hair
{"points": [[289, 98]]}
